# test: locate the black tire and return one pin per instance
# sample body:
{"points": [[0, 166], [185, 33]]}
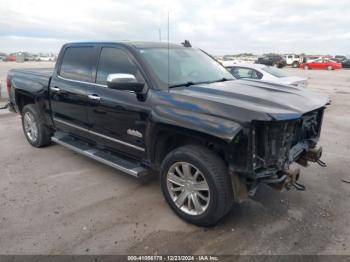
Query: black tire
{"points": [[329, 68], [216, 174], [43, 137], [295, 64]]}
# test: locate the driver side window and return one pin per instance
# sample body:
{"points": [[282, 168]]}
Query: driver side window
{"points": [[115, 60]]}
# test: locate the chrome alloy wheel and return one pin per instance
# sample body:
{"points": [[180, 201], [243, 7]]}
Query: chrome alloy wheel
{"points": [[188, 188], [30, 126]]}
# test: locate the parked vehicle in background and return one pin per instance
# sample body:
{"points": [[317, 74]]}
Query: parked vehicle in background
{"points": [[3, 56], [346, 63], [266, 73], [45, 58], [272, 60], [293, 60], [212, 139], [18, 57], [310, 58], [340, 58], [29, 57], [10, 58], [321, 64]]}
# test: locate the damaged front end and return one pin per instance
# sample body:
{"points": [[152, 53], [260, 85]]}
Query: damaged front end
{"points": [[275, 145]]}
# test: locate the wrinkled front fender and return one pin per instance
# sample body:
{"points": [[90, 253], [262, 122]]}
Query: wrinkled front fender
{"points": [[223, 129]]}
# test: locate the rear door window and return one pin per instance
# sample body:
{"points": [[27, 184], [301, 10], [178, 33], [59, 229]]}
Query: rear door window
{"points": [[78, 63], [243, 72]]}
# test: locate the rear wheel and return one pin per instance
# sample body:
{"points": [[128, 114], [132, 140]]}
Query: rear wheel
{"points": [[196, 184], [37, 134], [329, 68]]}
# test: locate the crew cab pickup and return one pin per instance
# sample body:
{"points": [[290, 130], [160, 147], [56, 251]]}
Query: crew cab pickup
{"points": [[148, 108]]}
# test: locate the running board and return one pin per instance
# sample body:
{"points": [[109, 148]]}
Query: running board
{"points": [[105, 157]]}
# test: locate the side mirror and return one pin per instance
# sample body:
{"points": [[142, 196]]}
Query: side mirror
{"points": [[124, 82]]}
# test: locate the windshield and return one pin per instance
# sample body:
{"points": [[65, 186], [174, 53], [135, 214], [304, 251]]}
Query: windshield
{"points": [[274, 71], [185, 65]]}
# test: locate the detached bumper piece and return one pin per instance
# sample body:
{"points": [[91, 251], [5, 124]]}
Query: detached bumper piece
{"points": [[287, 181]]}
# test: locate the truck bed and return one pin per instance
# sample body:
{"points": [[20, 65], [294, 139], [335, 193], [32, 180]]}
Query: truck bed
{"points": [[45, 72], [31, 82]]}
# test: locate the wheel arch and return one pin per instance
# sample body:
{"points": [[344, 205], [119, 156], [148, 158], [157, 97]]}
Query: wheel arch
{"points": [[22, 99], [169, 137]]}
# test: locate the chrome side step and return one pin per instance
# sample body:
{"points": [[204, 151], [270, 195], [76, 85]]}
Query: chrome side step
{"points": [[112, 160]]}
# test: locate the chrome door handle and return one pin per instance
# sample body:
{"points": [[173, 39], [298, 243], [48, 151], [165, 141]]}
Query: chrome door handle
{"points": [[94, 97], [55, 89]]}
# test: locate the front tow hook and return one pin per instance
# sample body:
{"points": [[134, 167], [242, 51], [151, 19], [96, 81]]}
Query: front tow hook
{"points": [[313, 155]]}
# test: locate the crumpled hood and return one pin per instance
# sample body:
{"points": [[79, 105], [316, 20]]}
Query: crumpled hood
{"points": [[255, 97]]}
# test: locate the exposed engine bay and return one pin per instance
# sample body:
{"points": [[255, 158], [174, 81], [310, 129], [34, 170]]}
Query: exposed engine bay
{"points": [[277, 144]]}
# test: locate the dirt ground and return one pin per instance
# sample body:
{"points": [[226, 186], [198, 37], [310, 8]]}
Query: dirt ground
{"points": [[53, 201]]}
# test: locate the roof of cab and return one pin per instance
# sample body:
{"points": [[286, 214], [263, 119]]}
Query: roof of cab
{"points": [[133, 44]]}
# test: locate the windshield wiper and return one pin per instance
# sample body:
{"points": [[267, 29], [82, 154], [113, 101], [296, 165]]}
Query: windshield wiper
{"points": [[224, 79], [189, 83]]}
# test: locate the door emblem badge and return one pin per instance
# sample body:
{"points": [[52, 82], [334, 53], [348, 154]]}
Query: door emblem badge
{"points": [[133, 132]]}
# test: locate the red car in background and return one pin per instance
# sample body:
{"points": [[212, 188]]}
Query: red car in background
{"points": [[321, 64], [11, 57]]}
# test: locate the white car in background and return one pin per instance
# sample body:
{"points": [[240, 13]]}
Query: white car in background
{"points": [[45, 58], [265, 73]]}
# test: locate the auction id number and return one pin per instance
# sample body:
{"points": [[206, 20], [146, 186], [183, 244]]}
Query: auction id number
{"points": [[172, 258]]}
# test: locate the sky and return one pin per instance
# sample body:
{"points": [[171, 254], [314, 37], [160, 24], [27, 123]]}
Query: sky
{"points": [[219, 27]]}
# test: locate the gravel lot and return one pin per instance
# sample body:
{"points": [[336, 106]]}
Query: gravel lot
{"points": [[54, 201]]}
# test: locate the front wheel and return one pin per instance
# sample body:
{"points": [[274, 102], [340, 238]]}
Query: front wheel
{"points": [[306, 67], [295, 65], [196, 184], [329, 68]]}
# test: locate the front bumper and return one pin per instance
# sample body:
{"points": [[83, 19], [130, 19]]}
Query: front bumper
{"points": [[275, 145], [271, 148]]}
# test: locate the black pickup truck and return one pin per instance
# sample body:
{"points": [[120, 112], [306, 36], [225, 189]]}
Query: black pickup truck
{"points": [[146, 108], [272, 60]]}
